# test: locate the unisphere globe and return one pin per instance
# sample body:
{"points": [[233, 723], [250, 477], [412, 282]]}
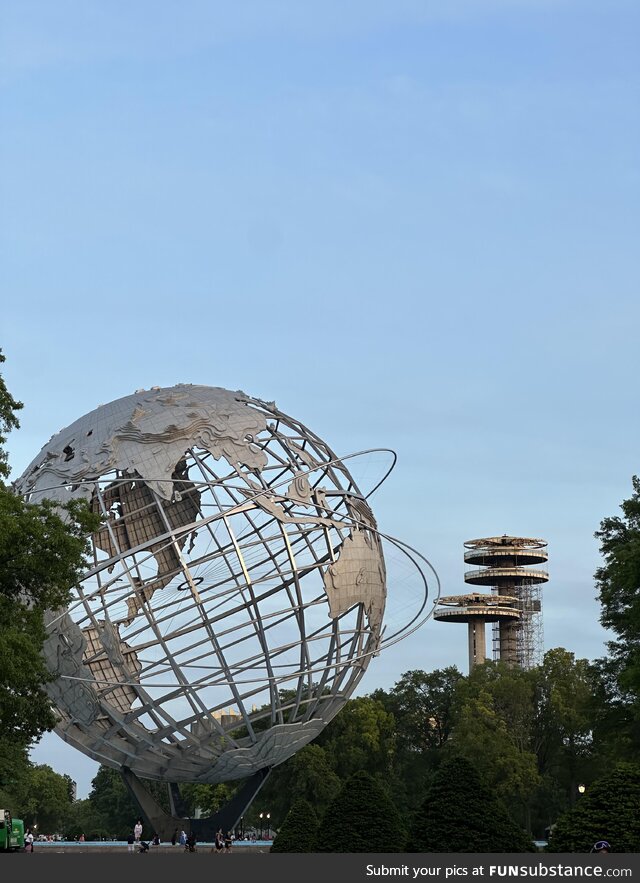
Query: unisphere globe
{"points": [[236, 589]]}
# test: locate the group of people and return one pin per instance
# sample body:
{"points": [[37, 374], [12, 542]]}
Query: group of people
{"points": [[222, 842], [187, 841]]}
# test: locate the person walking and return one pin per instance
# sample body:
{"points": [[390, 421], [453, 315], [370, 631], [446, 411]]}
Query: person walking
{"points": [[137, 831], [183, 838], [28, 841]]}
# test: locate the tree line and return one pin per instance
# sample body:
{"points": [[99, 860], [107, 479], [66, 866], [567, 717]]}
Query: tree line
{"points": [[495, 757]]}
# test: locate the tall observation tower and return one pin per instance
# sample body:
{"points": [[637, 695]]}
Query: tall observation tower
{"points": [[513, 606]]}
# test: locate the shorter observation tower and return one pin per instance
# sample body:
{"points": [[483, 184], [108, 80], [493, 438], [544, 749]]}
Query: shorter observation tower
{"points": [[514, 605]]}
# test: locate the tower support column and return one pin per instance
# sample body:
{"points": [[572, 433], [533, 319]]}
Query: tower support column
{"points": [[477, 642], [509, 642]]}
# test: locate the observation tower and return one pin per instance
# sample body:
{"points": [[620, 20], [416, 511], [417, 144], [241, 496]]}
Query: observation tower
{"points": [[514, 607]]}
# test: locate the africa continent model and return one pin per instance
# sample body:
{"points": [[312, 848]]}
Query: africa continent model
{"points": [[236, 589]]}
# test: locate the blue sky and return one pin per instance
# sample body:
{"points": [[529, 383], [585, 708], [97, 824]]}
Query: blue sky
{"points": [[412, 224]]}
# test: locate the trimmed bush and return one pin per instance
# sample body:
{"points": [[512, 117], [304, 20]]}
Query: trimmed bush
{"points": [[608, 810], [362, 818], [461, 814], [298, 831]]}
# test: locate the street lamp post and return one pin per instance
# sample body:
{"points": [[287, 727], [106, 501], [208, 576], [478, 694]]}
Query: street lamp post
{"points": [[261, 829], [268, 826]]}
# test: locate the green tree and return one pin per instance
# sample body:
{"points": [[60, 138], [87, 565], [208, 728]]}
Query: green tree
{"points": [[494, 717], [305, 776], [618, 584], [312, 778], [113, 809], [207, 798], [563, 730], [44, 800], [421, 703], [42, 555], [460, 813], [361, 737], [362, 818], [81, 819], [14, 771], [607, 811], [8, 420], [299, 829], [614, 718]]}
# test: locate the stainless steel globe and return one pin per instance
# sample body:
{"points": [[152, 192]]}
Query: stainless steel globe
{"points": [[236, 591]]}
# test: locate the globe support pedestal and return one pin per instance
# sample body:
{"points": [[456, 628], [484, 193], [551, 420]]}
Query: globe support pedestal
{"points": [[163, 824]]}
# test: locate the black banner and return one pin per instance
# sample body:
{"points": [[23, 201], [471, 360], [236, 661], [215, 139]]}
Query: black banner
{"points": [[321, 868]]}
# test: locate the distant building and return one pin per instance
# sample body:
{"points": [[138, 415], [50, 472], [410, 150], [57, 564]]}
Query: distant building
{"points": [[226, 718]]}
